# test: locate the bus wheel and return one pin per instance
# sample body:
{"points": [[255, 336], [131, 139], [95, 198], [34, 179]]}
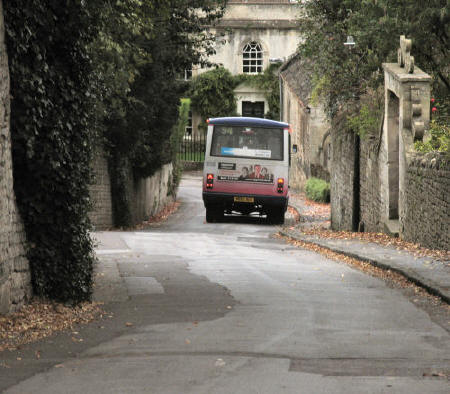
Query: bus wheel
{"points": [[213, 215], [276, 216]]}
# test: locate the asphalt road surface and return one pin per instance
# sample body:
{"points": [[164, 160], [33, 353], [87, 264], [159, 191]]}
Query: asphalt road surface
{"points": [[226, 308]]}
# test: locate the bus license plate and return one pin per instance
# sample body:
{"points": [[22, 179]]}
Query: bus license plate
{"points": [[244, 199]]}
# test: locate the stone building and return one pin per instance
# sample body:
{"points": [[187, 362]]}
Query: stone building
{"points": [[310, 127], [254, 33]]}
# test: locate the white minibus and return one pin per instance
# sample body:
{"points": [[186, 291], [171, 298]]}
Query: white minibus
{"points": [[246, 168]]}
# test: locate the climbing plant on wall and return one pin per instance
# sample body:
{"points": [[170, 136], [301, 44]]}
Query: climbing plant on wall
{"points": [[268, 82], [51, 79], [212, 92]]}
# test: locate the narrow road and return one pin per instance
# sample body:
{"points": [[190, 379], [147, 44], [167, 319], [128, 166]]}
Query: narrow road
{"points": [[226, 308]]}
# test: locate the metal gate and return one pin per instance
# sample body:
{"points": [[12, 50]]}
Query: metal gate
{"points": [[192, 148]]}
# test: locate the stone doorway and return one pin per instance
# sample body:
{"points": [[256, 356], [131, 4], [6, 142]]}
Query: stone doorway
{"points": [[253, 109]]}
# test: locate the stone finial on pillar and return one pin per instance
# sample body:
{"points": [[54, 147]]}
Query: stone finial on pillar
{"points": [[404, 55]]}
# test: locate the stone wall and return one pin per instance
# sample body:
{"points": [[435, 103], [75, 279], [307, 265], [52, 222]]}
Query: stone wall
{"points": [[426, 218], [15, 278], [150, 195], [341, 179], [147, 196], [370, 187], [100, 192], [310, 128], [295, 114]]}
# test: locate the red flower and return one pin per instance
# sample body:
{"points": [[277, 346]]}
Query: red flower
{"points": [[434, 109], [433, 100]]}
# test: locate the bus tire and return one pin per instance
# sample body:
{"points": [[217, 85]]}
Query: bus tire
{"points": [[276, 216], [213, 215]]}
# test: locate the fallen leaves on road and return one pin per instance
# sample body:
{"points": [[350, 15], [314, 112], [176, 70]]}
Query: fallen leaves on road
{"points": [[382, 239], [40, 319], [320, 213], [161, 216], [294, 213]]}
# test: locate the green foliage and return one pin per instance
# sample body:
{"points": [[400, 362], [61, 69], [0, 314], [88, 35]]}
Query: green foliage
{"points": [[142, 48], [317, 190], [439, 139], [267, 81], [320, 88], [51, 119], [342, 74], [366, 121], [212, 92]]}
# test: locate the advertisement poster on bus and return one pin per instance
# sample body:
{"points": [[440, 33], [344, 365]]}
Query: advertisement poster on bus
{"points": [[257, 173]]}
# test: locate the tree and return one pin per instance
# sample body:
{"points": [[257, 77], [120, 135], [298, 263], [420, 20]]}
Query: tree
{"points": [[143, 47], [376, 25]]}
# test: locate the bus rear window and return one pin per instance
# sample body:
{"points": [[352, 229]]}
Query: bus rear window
{"points": [[249, 142]]}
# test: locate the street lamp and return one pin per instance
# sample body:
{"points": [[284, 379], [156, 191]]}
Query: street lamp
{"points": [[350, 43], [356, 223]]}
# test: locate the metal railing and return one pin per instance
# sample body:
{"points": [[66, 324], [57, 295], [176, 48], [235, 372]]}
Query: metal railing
{"points": [[192, 148]]}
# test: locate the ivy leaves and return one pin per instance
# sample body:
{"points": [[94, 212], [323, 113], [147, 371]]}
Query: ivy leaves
{"points": [[212, 92], [51, 140]]}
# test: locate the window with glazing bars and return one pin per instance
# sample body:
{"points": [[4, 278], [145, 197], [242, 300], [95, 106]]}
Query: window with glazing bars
{"points": [[252, 58]]}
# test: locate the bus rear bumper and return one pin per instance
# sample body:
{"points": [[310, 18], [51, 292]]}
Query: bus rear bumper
{"points": [[260, 202]]}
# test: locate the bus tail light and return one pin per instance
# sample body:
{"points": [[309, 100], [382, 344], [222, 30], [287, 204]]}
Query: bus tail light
{"points": [[209, 181], [280, 185]]}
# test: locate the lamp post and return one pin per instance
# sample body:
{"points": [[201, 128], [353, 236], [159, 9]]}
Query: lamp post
{"points": [[357, 225], [350, 43]]}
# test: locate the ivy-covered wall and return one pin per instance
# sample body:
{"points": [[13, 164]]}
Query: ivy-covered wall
{"points": [[51, 128]]}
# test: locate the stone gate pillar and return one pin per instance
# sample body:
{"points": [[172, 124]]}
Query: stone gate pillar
{"points": [[407, 116]]}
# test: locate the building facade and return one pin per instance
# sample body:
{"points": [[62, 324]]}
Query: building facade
{"points": [[252, 34], [309, 124]]}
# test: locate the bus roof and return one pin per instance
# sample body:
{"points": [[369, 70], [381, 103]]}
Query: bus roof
{"points": [[246, 121]]}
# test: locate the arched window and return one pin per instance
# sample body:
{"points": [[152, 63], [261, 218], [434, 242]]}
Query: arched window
{"points": [[252, 58]]}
